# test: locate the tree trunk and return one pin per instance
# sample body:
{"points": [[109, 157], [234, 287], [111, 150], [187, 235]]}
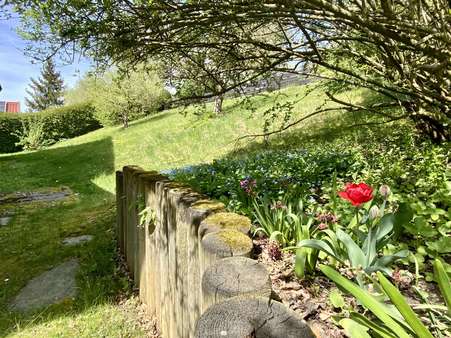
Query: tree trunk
{"points": [[125, 120], [218, 105], [427, 125]]}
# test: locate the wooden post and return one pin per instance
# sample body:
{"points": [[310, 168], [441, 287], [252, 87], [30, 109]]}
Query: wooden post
{"points": [[120, 209], [251, 317], [190, 256], [234, 276]]}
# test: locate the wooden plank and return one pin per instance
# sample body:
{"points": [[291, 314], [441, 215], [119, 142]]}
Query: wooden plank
{"points": [[120, 209]]}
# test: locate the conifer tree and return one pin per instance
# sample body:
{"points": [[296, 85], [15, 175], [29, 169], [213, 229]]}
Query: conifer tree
{"points": [[47, 90]]}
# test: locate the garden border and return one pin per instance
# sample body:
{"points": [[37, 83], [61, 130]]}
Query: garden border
{"points": [[191, 262]]}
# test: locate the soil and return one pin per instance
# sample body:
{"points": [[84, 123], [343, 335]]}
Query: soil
{"points": [[308, 297]]}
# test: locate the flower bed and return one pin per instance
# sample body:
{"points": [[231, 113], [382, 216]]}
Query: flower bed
{"points": [[355, 219]]}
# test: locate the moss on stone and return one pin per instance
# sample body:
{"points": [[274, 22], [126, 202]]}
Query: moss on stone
{"points": [[178, 186], [208, 205], [229, 221], [236, 240]]}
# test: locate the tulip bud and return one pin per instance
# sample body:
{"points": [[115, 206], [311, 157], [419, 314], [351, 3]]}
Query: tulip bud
{"points": [[384, 190], [374, 212]]}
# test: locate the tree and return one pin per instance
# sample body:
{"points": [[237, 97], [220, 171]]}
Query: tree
{"points": [[121, 97], [205, 74], [46, 91], [213, 73], [401, 50]]}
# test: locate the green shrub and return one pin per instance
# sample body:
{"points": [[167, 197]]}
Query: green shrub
{"points": [[32, 135], [273, 173], [48, 126], [68, 121], [121, 98], [417, 171], [9, 123]]}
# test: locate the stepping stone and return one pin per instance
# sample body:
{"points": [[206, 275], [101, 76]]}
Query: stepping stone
{"points": [[46, 197], [35, 196], [5, 220], [49, 288], [70, 241]]}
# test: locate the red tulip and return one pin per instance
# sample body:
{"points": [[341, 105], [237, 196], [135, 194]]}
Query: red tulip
{"points": [[357, 193]]}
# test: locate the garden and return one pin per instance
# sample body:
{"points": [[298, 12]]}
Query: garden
{"points": [[326, 123], [356, 235]]}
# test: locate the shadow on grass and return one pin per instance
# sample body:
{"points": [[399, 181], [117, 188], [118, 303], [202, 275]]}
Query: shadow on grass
{"points": [[73, 166], [32, 243]]}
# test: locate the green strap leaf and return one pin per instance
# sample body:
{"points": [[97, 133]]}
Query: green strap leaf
{"points": [[384, 261], [382, 331], [320, 245], [355, 254], [443, 283], [299, 262], [366, 299], [401, 304]]}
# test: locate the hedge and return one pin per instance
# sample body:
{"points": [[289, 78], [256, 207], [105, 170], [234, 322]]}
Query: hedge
{"points": [[9, 123], [59, 123]]}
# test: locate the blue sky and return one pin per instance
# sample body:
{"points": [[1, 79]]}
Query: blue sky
{"points": [[16, 69]]}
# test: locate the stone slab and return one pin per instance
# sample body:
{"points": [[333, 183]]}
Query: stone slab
{"points": [[5, 220], [71, 241], [49, 288], [35, 196]]}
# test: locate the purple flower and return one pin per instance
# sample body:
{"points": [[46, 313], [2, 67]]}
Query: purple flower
{"points": [[326, 217], [248, 184]]}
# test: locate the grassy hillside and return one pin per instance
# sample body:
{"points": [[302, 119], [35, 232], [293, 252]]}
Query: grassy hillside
{"points": [[31, 244], [169, 139]]}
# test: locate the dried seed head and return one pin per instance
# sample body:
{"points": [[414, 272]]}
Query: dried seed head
{"points": [[274, 251]]}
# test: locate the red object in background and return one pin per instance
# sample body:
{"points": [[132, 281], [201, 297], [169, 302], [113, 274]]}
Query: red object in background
{"points": [[13, 107]]}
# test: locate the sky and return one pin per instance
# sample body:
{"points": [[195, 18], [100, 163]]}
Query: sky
{"points": [[16, 69]]}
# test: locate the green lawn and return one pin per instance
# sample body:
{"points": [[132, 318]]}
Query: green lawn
{"points": [[31, 244]]}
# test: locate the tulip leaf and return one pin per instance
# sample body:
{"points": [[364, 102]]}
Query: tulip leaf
{"points": [[373, 325], [366, 299], [401, 304], [299, 262], [385, 226], [320, 245], [387, 260], [355, 254], [443, 283]]}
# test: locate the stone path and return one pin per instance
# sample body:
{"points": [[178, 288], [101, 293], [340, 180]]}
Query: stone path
{"points": [[49, 288], [71, 241], [6, 217], [4, 220], [38, 196], [57, 284]]}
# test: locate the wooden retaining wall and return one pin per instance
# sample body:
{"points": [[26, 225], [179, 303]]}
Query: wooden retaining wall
{"points": [[191, 262]]}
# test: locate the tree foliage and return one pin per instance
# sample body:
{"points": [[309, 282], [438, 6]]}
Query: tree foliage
{"points": [[399, 49], [121, 97], [46, 91]]}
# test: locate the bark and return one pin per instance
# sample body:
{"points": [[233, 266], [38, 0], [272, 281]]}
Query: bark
{"points": [[125, 120]]}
